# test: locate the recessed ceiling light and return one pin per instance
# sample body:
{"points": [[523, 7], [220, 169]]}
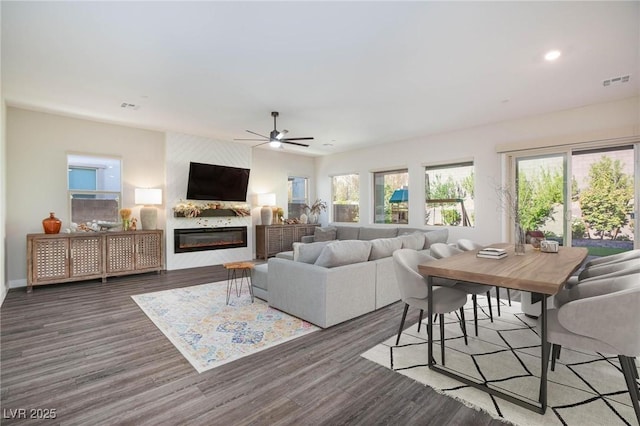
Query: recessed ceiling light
{"points": [[327, 144], [552, 55]]}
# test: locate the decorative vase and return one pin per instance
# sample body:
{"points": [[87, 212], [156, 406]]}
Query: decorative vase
{"points": [[266, 215], [520, 239], [51, 224], [125, 224], [304, 218], [313, 218]]}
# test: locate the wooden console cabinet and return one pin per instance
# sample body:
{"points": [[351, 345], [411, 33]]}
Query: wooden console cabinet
{"points": [[56, 258], [273, 239]]}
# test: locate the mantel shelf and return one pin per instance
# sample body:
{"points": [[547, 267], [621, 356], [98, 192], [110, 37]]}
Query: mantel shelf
{"points": [[213, 213]]}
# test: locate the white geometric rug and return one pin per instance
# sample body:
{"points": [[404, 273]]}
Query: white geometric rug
{"points": [[210, 333], [584, 389]]}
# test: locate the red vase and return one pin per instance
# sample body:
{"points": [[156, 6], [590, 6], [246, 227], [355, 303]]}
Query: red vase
{"points": [[51, 224]]}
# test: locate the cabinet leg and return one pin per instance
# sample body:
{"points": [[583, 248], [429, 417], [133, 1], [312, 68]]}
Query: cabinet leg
{"points": [[29, 288]]}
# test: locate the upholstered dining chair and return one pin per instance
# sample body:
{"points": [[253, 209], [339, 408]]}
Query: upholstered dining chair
{"points": [[441, 250], [469, 245], [414, 292], [614, 258], [601, 317]]}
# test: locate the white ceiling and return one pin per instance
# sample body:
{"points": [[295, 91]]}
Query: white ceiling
{"points": [[351, 74]]}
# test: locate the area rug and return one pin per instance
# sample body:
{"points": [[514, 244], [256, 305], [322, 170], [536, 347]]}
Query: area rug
{"points": [[210, 333], [585, 388]]}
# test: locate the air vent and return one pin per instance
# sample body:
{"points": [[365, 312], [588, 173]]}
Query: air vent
{"points": [[616, 80], [127, 105]]}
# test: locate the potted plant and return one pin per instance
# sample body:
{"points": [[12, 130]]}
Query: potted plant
{"points": [[315, 209]]}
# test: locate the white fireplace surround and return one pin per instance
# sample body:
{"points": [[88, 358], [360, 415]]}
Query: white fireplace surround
{"points": [[181, 149]]}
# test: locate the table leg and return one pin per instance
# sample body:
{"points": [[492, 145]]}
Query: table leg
{"points": [[544, 355], [229, 284], [430, 322]]}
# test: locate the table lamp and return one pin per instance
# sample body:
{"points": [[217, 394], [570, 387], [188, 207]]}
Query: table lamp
{"points": [[148, 214]]}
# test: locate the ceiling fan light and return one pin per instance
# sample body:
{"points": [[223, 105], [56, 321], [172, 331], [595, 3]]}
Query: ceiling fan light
{"points": [[275, 144], [281, 134]]}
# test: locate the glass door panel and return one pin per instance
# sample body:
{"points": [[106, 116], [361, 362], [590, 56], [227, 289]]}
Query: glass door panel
{"points": [[541, 192]]}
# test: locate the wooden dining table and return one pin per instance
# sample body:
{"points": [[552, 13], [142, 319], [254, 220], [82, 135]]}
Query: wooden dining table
{"points": [[534, 271]]}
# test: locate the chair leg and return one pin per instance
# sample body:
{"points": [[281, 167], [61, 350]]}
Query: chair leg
{"points": [[442, 338], [404, 316], [420, 319], [498, 299], [475, 312], [627, 364], [555, 355], [463, 325], [509, 296], [489, 302]]}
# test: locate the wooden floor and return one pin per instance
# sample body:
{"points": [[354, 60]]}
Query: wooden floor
{"points": [[87, 351]]}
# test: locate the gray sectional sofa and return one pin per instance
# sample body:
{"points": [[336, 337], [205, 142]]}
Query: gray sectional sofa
{"points": [[347, 274]]}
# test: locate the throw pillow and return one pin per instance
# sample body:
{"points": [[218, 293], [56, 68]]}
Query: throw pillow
{"points": [[384, 247], [325, 234], [348, 232], [413, 241], [368, 233], [432, 237], [308, 252], [338, 253]]}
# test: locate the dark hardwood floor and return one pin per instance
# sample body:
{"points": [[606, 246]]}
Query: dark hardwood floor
{"points": [[87, 351]]}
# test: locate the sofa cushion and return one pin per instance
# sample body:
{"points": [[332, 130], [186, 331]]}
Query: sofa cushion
{"points": [[413, 241], [308, 253], [348, 232], [432, 237], [384, 247], [339, 253], [325, 234], [372, 233]]}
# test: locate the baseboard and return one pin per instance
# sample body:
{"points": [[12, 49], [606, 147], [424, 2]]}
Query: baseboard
{"points": [[18, 283]]}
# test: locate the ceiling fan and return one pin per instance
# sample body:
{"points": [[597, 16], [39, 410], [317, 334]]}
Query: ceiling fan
{"points": [[276, 138]]}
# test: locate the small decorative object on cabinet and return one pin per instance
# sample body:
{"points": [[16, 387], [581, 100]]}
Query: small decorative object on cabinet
{"points": [[91, 255], [51, 224], [273, 239]]}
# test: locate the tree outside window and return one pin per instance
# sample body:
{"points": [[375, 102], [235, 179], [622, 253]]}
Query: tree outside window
{"points": [[385, 184], [345, 191], [449, 194]]}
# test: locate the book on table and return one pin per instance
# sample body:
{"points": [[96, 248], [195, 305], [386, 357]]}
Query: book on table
{"points": [[492, 253]]}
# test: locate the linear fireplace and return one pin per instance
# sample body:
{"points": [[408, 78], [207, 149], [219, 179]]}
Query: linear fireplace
{"points": [[201, 239]]}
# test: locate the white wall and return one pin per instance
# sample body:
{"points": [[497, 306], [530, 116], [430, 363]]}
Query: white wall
{"points": [[614, 119], [37, 147]]}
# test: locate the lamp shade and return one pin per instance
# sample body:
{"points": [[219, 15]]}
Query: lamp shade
{"points": [[148, 196], [268, 199]]}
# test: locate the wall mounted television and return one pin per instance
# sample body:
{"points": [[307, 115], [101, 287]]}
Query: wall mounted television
{"points": [[219, 183]]}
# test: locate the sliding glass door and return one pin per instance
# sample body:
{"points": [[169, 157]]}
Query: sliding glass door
{"points": [[583, 197]]}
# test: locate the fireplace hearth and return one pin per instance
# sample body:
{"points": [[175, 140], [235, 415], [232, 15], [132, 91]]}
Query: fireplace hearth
{"points": [[202, 239]]}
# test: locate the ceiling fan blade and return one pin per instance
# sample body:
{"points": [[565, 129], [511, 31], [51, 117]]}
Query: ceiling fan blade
{"points": [[297, 139], [295, 143], [260, 140], [258, 134]]}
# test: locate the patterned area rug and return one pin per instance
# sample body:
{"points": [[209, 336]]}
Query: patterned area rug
{"points": [[584, 389], [209, 333]]}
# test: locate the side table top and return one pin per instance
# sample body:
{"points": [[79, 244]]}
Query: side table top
{"points": [[238, 265]]}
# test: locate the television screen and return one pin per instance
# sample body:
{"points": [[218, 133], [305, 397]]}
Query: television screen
{"points": [[220, 183]]}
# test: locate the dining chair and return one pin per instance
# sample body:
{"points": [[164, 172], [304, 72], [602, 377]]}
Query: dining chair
{"points": [[440, 251], [600, 317], [627, 255], [469, 245], [414, 292]]}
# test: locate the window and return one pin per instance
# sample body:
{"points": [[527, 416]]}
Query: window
{"points": [[391, 196], [298, 195], [345, 191], [94, 188], [449, 193]]}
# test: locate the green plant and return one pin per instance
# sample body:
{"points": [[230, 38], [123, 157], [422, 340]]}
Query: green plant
{"points": [[578, 228], [606, 203], [451, 217]]}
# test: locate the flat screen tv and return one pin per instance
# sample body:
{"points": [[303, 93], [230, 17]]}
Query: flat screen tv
{"points": [[220, 183]]}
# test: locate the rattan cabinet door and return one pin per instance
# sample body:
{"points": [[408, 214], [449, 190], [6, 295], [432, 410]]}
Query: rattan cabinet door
{"points": [[120, 253], [86, 256], [274, 240], [148, 250], [49, 260], [288, 238]]}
